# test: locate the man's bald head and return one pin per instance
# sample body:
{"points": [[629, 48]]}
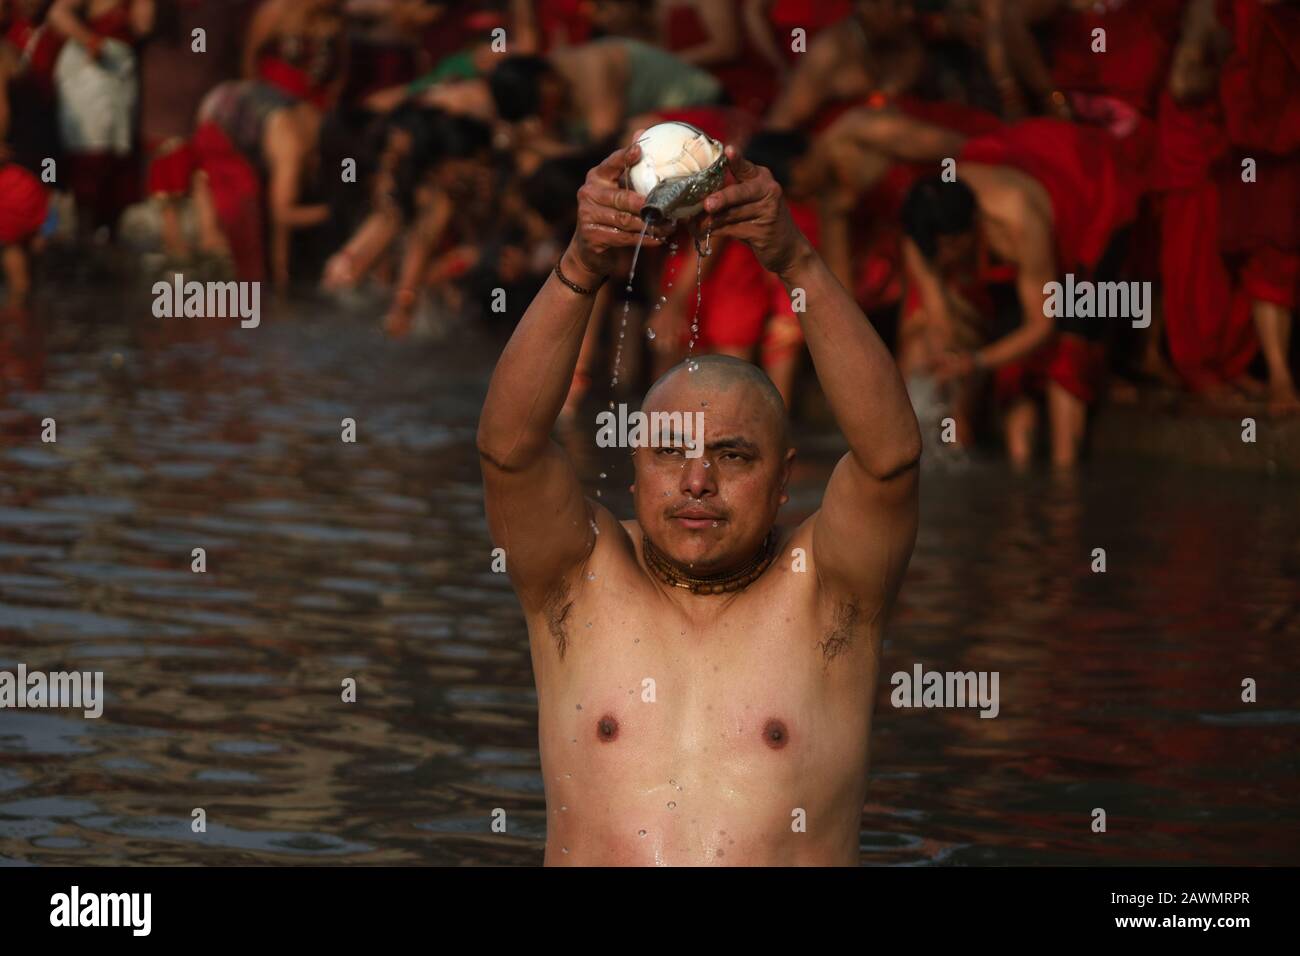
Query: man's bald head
{"points": [[724, 374]]}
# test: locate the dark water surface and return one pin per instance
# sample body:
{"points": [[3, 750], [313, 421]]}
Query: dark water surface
{"points": [[371, 560]]}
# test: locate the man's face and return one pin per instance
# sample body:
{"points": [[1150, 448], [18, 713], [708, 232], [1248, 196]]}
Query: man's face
{"points": [[710, 513]]}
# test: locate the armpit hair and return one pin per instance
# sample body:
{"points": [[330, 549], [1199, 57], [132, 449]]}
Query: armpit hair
{"points": [[558, 604], [840, 635]]}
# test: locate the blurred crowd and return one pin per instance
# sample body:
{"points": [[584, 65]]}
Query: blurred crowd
{"points": [[947, 157]]}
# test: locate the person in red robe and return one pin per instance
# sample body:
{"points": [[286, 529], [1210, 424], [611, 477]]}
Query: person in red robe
{"points": [[1207, 323], [1106, 65], [1260, 225]]}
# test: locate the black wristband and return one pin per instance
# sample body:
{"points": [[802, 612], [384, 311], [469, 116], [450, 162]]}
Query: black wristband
{"points": [[573, 285]]}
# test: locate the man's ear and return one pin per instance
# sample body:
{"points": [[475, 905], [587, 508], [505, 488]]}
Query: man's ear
{"points": [[788, 466]]}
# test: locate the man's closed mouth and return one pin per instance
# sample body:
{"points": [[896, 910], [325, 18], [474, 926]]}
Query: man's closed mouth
{"points": [[697, 518]]}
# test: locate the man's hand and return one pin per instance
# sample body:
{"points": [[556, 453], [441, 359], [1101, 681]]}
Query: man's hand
{"points": [[608, 221], [753, 210]]}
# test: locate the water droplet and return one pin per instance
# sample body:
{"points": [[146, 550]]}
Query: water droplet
{"points": [[650, 333], [591, 576], [672, 804], [640, 833], [672, 783], [564, 849], [636, 641], [603, 475]]}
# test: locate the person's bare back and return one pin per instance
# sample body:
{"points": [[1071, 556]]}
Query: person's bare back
{"points": [[705, 678]]}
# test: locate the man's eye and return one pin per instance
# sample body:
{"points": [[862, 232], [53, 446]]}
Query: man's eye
{"points": [[669, 451]]}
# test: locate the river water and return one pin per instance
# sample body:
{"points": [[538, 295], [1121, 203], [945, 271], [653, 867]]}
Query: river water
{"points": [[326, 560]]}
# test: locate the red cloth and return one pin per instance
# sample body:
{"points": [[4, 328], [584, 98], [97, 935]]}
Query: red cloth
{"points": [[738, 296], [1072, 362], [237, 195], [749, 81], [1272, 275], [723, 123], [1140, 37], [1092, 194], [114, 23], [41, 47], [1260, 82], [1260, 91], [24, 204], [1208, 326], [171, 169], [734, 298], [563, 23], [292, 79]]}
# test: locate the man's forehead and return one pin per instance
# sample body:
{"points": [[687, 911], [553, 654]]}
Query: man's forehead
{"points": [[685, 392], [736, 408]]}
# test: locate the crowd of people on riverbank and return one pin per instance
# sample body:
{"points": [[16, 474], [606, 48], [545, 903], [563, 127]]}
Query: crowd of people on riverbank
{"points": [[950, 159]]}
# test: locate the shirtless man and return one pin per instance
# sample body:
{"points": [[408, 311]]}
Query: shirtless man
{"points": [[753, 746], [1030, 203]]}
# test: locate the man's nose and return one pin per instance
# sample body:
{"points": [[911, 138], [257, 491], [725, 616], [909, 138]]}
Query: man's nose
{"points": [[697, 477]]}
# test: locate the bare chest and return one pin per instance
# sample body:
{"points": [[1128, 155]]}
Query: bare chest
{"points": [[764, 687]]}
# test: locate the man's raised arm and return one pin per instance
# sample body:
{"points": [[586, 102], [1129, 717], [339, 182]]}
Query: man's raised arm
{"points": [[863, 535], [535, 506]]}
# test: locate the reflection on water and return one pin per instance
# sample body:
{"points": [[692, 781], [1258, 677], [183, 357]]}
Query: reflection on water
{"points": [[327, 560]]}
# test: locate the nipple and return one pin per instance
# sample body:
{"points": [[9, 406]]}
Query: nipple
{"points": [[606, 729], [775, 735]]}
